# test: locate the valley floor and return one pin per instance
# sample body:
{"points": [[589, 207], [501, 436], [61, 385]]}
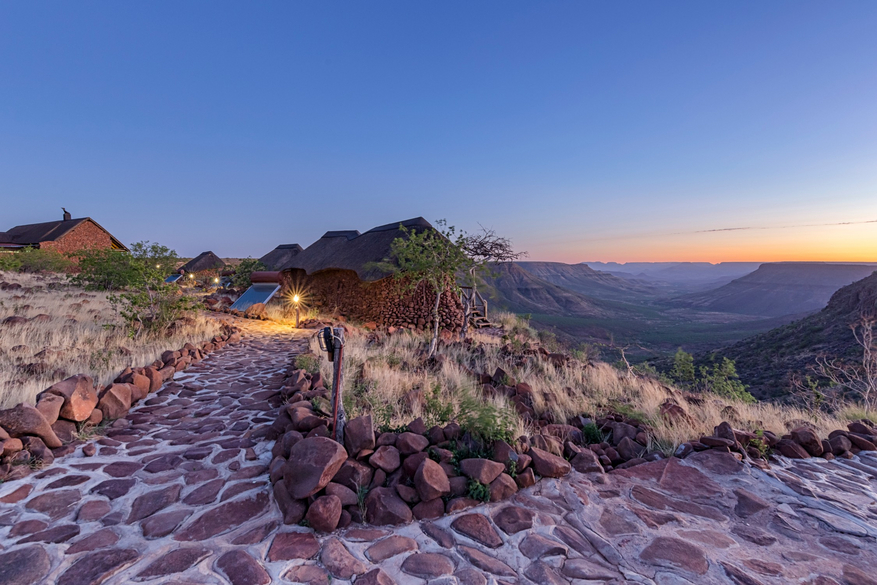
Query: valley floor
{"points": [[180, 494]]}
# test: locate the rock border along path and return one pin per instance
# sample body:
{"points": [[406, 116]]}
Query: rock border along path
{"points": [[181, 496]]}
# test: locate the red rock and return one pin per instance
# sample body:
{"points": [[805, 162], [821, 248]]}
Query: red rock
{"points": [[24, 419], [808, 439], [513, 519], [390, 547], [293, 510], [38, 450], [525, 479], [242, 569], [79, 397], [65, 430], [49, 406], [386, 458], [409, 443], [101, 539], [791, 449], [55, 504], [175, 561], [412, 462], [347, 496], [324, 513], [384, 507], [429, 510], [428, 565], [223, 518], [97, 567], [19, 494], [748, 503], [354, 475], [313, 462], [359, 435], [407, 493], [586, 461], [861, 442], [338, 560], [486, 562], [676, 554], [478, 528], [459, 504], [151, 502], [115, 402], [481, 470], [10, 447], [548, 465], [502, 487], [840, 444], [430, 481], [310, 574], [25, 566], [162, 524], [375, 577], [55, 534], [293, 545]]}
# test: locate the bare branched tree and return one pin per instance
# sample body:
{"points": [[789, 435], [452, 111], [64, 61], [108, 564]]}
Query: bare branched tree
{"points": [[857, 378], [483, 249]]}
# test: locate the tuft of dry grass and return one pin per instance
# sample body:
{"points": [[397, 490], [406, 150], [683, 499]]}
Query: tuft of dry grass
{"points": [[79, 333], [385, 376]]}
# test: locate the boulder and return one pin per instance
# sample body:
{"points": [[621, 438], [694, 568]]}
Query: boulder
{"points": [[840, 444], [65, 429], [548, 465], [155, 378], [142, 383], [383, 506], [38, 449], [791, 449], [386, 458], [50, 406], [115, 402], [312, 464], [502, 487], [430, 481], [359, 434], [482, 470], [808, 439], [409, 443], [24, 419], [79, 397], [324, 513], [354, 474], [586, 461]]}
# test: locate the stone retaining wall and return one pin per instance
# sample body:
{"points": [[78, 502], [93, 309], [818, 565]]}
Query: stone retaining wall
{"points": [[32, 436]]}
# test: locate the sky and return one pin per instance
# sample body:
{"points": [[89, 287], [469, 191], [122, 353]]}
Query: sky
{"points": [[583, 131]]}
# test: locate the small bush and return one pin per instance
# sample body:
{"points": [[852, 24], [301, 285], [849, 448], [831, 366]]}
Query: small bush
{"points": [[592, 434], [35, 260], [308, 362], [478, 491], [485, 421], [104, 269]]}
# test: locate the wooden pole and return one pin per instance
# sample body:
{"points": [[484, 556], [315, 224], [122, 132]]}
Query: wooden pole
{"points": [[339, 418]]}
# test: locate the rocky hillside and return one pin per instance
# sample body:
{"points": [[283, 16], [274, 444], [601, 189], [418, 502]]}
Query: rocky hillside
{"points": [[583, 279], [765, 361], [517, 290], [779, 289]]}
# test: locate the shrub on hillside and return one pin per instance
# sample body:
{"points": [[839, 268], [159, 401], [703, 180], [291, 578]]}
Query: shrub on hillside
{"points": [[104, 269]]}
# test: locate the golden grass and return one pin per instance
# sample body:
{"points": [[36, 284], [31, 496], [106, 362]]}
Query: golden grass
{"points": [[83, 334], [381, 372]]}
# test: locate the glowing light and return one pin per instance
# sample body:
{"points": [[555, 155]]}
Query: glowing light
{"points": [[295, 299], [215, 280], [191, 276]]}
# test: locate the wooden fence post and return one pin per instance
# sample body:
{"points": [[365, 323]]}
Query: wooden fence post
{"points": [[339, 418]]}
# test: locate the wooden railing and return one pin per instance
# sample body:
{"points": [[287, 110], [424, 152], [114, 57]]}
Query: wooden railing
{"points": [[474, 298]]}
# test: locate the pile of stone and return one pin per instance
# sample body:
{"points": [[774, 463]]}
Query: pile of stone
{"points": [[386, 478], [33, 436]]}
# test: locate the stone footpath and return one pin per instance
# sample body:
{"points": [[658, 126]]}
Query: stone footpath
{"points": [[181, 496]]}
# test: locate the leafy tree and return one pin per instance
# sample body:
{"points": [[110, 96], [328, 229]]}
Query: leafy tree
{"points": [[723, 380], [683, 369], [104, 269], [247, 267], [149, 305], [431, 257], [482, 249]]}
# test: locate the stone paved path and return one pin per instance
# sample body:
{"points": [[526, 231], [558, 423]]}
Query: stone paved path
{"points": [[181, 496]]}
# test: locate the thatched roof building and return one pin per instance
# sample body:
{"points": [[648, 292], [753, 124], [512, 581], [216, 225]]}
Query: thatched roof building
{"points": [[65, 235], [280, 256], [203, 261], [351, 250]]}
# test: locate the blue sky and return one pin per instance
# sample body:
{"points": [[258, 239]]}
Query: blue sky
{"points": [[582, 130]]}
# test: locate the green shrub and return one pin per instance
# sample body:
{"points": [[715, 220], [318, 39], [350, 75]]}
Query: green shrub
{"points": [[247, 267], [723, 381], [478, 491], [483, 420], [436, 409], [308, 362], [105, 269], [36, 260], [592, 434]]}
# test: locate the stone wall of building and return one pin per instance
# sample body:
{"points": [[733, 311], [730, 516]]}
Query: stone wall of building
{"points": [[386, 302], [85, 235]]}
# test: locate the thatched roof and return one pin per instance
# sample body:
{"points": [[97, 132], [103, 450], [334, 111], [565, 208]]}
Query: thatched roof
{"points": [[49, 231], [203, 261], [280, 255], [350, 250]]}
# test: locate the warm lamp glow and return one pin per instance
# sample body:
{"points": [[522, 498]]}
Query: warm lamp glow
{"points": [[215, 280], [295, 299], [191, 276]]}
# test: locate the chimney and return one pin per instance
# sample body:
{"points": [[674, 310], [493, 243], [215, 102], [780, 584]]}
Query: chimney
{"points": [[67, 216]]}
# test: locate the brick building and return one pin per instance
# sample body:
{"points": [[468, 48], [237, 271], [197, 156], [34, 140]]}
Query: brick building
{"points": [[65, 235]]}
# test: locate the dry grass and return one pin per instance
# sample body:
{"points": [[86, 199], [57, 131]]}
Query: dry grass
{"points": [[81, 335], [380, 375]]}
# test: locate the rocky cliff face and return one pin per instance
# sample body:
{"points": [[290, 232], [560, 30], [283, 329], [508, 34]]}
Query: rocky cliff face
{"points": [[765, 361]]}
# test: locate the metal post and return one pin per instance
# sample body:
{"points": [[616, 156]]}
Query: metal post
{"points": [[296, 316], [338, 416]]}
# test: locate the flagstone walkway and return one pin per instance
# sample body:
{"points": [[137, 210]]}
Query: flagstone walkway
{"points": [[179, 494]]}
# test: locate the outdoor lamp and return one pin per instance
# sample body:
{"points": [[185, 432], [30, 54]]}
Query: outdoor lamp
{"points": [[295, 300]]}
